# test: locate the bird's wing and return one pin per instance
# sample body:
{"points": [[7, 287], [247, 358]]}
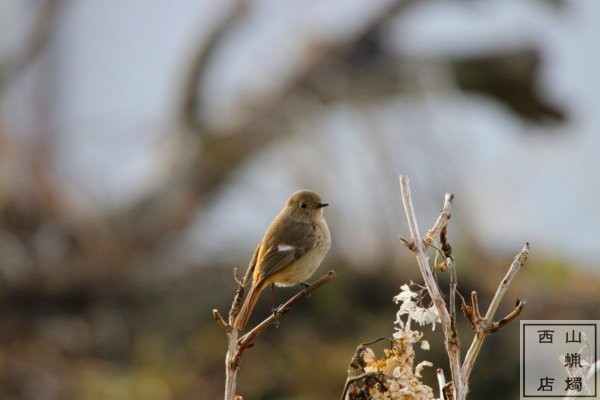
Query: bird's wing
{"points": [[250, 271], [284, 250]]}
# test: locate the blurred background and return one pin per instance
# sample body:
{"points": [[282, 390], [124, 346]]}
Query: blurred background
{"points": [[145, 147]]}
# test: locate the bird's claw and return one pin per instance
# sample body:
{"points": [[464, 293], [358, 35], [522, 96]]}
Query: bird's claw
{"points": [[275, 311], [306, 285]]}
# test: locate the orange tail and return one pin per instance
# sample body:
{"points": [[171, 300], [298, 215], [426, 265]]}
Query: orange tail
{"points": [[248, 306]]}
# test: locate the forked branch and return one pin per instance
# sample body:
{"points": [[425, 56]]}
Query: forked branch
{"points": [[483, 326]]}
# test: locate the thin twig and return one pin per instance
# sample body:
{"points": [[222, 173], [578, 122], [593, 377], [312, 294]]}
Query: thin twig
{"points": [[441, 381], [452, 300], [441, 222], [475, 305], [235, 347], [434, 291], [509, 317], [516, 265], [487, 322], [247, 339], [220, 320]]}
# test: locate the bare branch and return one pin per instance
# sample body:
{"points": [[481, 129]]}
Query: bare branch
{"points": [[439, 373], [283, 309], [219, 318], [485, 325], [15, 65], [235, 347], [451, 344], [458, 387], [452, 298], [442, 220], [475, 304], [512, 315], [221, 151], [190, 102], [516, 265]]}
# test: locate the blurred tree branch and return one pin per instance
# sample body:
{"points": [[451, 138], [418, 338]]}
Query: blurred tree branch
{"points": [[104, 248], [220, 153], [357, 67], [16, 64]]}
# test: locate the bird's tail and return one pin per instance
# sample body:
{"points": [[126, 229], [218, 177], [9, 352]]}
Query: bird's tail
{"points": [[249, 303]]}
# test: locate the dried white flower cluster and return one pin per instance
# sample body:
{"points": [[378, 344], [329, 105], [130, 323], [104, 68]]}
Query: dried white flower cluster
{"points": [[394, 376], [409, 307]]}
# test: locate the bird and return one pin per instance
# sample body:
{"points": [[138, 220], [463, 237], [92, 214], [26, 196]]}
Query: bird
{"points": [[291, 250]]}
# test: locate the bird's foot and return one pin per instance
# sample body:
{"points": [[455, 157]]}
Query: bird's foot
{"points": [[306, 285], [275, 311]]}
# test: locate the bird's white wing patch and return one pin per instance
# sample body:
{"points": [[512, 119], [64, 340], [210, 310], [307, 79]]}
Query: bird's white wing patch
{"points": [[285, 247]]}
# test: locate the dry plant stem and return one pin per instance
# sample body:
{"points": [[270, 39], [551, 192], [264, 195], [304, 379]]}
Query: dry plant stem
{"points": [[220, 320], [442, 220], [441, 381], [356, 370], [512, 315], [475, 304], [453, 284], [452, 347], [486, 324], [452, 300]]}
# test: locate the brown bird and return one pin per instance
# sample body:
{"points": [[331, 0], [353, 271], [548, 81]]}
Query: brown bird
{"points": [[291, 250]]}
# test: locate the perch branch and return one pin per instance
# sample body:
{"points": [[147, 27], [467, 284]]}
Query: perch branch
{"points": [[451, 343], [485, 326], [247, 339], [235, 347]]}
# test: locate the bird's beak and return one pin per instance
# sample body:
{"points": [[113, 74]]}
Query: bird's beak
{"points": [[321, 205]]}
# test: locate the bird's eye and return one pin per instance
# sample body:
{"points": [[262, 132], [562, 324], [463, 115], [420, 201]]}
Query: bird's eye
{"points": [[302, 205]]}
